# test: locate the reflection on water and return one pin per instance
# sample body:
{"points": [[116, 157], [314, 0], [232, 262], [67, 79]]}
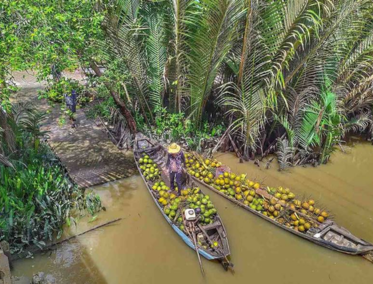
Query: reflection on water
{"points": [[142, 248]]}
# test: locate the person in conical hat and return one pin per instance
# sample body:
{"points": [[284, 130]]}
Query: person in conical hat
{"points": [[175, 163]]}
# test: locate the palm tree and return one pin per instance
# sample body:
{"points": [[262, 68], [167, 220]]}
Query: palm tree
{"points": [[282, 69], [273, 35], [214, 26]]}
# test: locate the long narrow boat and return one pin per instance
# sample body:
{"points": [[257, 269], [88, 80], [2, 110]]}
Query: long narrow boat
{"points": [[213, 233], [327, 234]]}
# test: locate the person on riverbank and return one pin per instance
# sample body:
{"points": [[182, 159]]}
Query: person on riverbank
{"points": [[71, 101], [175, 163]]}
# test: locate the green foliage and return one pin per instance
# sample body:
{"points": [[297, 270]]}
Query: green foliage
{"points": [[36, 196], [170, 125], [273, 61], [174, 127], [156, 49], [36, 200], [321, 125], [103, 108], [55, 92], [211, 39]]}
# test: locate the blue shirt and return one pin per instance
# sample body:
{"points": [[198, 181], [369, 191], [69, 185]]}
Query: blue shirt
{"points": [[71, 99]]}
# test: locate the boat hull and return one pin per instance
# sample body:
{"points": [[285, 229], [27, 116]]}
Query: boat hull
{"points": [[223, 256], [364, 248]]}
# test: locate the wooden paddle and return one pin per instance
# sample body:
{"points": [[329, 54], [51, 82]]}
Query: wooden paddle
{"points": [[217, 249], [193, 237], [196, 247]]}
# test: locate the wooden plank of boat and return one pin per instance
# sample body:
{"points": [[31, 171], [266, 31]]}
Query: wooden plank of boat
{"points": [[216, 230], [328, 234]]}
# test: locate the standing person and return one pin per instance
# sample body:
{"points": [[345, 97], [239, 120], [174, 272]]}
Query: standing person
{"points": [[175, 162], [71, 101]]}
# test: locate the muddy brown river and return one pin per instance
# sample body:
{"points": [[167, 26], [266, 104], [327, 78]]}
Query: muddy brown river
{"points": [[142, 248]]}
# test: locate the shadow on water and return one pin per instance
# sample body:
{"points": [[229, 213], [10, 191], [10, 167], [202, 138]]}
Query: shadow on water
{"points": [[69, 263], [72, 262]]}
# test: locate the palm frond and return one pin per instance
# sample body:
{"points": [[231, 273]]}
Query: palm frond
{"points": [[359, 97], [214, 25], [285, 154], [359, 123], [320, 47], [250, 6], [248, 111], [124, 37], [157, 57], [180, 28], [290, 27]]}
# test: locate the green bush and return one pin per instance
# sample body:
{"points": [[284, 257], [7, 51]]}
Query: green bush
{"points": [[56, 90], [175, 127], [36, 196], [102, 108], [36, 199]]}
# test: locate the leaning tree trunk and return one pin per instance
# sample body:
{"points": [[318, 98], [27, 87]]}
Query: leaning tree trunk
{"points": [[7, 134], [119, 102]]}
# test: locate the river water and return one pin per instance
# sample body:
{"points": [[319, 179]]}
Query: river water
{"points": [[142, 248]]}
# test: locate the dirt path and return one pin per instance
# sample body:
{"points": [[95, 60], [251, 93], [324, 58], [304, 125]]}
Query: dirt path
{"points": [[87, 152]]}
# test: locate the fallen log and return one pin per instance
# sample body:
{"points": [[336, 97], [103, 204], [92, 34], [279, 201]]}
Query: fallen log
{"points": [[35, 249]]}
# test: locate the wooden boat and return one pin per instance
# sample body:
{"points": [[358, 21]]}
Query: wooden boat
{"points": [[328, 234], [216, 231]]}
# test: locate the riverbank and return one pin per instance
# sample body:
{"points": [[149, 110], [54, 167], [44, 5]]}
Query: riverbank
{"points": [[143, 249], [86, 153]]}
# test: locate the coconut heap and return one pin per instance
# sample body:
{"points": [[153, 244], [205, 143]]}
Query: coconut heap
{"points": [[172, 204], [278, 204], [148, 168], [202, 170]]}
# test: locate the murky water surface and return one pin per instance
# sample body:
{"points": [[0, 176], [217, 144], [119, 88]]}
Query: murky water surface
{"points": [[142, 248]]}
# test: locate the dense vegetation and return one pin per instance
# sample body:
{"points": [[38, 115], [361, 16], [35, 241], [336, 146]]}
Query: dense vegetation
{"points": [[286, 76], [291, 77], [36, 196]]}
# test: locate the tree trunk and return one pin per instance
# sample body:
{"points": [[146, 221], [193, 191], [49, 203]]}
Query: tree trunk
{"points": [[7, 134], [119, 102]]}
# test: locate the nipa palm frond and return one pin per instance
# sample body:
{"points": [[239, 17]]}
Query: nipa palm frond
{"points": [[124, 37], [288, 25], [247, 110], [359, 97], [285, 154], [214, 23], [359, 123], [180, 29], [157, 56], [312, 61], [356, 49]]}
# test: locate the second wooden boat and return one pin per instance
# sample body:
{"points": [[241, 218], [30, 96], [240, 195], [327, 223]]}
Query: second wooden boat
{"points": [[326, 233]]}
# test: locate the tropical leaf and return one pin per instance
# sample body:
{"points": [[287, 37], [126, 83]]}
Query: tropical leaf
{"points": [[359, 123], [248, 109], [157, 57], [180, 30], [285, 154], [124, 37], [211, 40]]}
